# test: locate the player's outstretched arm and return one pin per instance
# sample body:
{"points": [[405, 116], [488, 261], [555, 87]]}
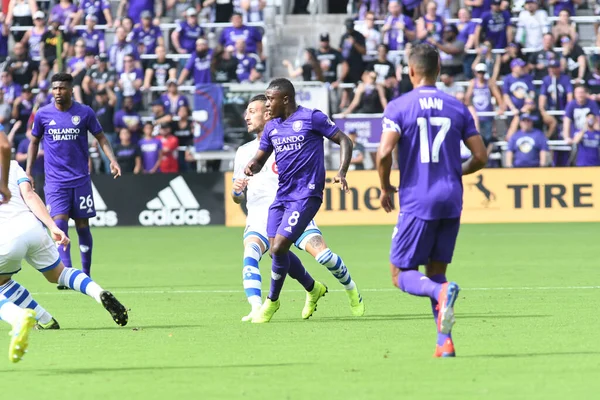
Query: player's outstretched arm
{"points": [[257, 162], [389, 140], [5, 153], [115, 169], [479, 157], [346, 147]]}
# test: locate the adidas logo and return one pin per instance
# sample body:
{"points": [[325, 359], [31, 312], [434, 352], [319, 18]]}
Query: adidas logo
{"points": [[104, 216], [174, 205], [52, 123]]}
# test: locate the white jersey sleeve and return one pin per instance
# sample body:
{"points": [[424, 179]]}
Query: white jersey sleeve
{"points": [[16, 206]]}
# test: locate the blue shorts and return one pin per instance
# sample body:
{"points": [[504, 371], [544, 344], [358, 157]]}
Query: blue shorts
{"points": [[417, 242], [75, 202], [291, 218]]}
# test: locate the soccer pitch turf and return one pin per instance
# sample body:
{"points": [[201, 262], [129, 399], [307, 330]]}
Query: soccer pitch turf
{"points": [[527, 322]]}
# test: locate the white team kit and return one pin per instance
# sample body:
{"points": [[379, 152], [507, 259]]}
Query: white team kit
{"points": [[23, 235], [261, 192]]}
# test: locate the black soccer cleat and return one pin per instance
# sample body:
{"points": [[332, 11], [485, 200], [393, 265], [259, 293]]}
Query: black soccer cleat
{"points": [[117, 310], [50, 325], [62, 287]]}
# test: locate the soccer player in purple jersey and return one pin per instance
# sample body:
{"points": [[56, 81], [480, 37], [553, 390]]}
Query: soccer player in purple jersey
{"points": [[427, 126], [64, 127], [295, 134]]}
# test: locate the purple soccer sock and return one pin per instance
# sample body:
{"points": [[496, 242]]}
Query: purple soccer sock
{"points": [[65, 255], [415, 283], [279, 270], [299, 273], [85, 246], [440, 278]]}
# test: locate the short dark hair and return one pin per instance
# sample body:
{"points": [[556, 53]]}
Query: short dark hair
{"points": [[284, 86], [580, 85], [426, 59], [259, 97], [63, 77]]}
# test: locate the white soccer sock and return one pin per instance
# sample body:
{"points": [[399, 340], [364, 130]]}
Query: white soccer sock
{"points": [[9, 311], [336, 266], [20, 296], [79, 281], [251, 274]]}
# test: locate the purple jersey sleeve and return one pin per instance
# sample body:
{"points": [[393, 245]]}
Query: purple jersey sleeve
{"points": [[470, 129], [568, 86], [530, 83], [105, 5], [223, 38], [543, 142], [391, 120], [323, 125], [189, 65], [569, 110], [594, 108], [93, 124], [256, 35], [512, 143], [409, 23], [37, 129], [544, 88], [265, 142]]}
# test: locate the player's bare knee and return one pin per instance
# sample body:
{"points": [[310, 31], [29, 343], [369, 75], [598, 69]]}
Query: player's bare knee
{"points": [[280, 247], [53, 275], [63, 217], [82, 223], [435, 268], [4, 280]]}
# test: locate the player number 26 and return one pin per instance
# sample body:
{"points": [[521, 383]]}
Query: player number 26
{"points": [[86, 202], [424, 123]]}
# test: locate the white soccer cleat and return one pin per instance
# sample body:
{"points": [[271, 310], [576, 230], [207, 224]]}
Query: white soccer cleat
{"points": [[248, 318]]}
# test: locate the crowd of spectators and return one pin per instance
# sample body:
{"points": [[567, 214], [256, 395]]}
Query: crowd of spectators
{"points": [[117, 54], [512, 44]]}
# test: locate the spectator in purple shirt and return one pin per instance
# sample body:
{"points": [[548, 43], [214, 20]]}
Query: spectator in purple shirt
{"points": [[568, 5], [528, 147], [556, 92], [150, 147], [187, 32], [238, 30], [76, 63], [495, 26], [135, 9], [11, 89], [4, 34], [588, 143], [99, 8], [198, 65], [246, 67], [398, 29], [172, 99], [131, 80], [120, 49], [64, 12], [518, 86], [128, 118], [577, 111], [146, 35], [94, 38]]}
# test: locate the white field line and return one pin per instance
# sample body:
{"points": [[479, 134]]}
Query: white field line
{"points": [[240, 290]]}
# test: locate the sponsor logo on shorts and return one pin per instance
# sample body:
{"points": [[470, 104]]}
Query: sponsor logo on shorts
{"points": [[174, 205]]}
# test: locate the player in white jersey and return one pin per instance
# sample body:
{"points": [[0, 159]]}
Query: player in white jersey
{"points": [[22, 321], [259, 191], [24, 236]]}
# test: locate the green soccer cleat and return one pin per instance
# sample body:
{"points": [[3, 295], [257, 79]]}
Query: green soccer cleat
{"points": [[53, 324], [20, 336], [312, 297], [266, 311], [357, 304]]}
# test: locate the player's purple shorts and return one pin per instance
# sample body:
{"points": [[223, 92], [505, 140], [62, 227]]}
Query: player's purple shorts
{"points": [[416, 241], [75, 202], [291, 218]]}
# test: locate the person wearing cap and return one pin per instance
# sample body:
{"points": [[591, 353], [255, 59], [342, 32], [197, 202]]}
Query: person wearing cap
{"points": [[357, 162], [128, 118], [539, 60], [451, 50], [398, 29], [94, 38], [518, 86], [556, 92], [576, 112], [532, 24], [22, 110], [495, 26], [574, 61], [329, 59], [160, 70], [430, 25], [198, 65], [187, 32], [528, 147], [147, 35], [33, 36], [479, 99], [23, 70], [100, 8], [138, 9], [587, 141], [159, 114], [121, 48], [231, 34], [172, 99]]}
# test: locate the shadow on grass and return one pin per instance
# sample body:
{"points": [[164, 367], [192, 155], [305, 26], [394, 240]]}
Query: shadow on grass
{"points": [[530, 355], [130, 328], [410, 317], [100, 370]]}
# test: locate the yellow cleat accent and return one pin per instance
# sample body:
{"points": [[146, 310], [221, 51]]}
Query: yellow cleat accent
{"points": [[312, 297], [357, 305], [266, 311], [20, 336]]}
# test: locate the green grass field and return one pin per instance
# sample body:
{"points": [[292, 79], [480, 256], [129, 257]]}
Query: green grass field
{"points": [[527, 322]]}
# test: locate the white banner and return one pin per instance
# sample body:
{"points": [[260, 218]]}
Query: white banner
{"points": [[313, 97]]}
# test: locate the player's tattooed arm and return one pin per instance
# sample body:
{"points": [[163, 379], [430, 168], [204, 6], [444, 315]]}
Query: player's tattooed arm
{"points": [[346, 147], [115, 169]]}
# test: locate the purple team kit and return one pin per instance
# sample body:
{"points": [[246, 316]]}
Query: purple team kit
{"points": [[432, 125], [64, 135], [299, 154]]}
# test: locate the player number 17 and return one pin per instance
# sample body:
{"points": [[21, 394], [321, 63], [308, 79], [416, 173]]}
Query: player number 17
{"points": [[444, 124]]}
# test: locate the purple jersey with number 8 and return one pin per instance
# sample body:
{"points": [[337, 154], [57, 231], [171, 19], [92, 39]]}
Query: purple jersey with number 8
{"points": [[431, 125]]}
